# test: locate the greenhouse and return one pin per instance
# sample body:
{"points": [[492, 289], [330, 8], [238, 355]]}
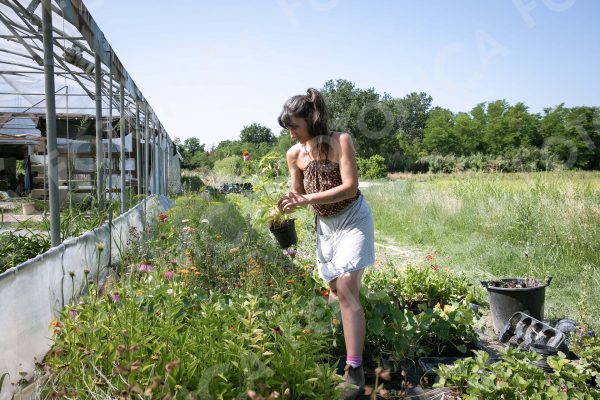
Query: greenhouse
{"points": [[137, 266], [75, 133]]}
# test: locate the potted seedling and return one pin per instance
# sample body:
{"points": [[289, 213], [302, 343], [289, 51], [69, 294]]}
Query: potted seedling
{"points": [[270, 188]]}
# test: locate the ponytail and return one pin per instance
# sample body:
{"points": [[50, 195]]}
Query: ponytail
{"points": [[311, 107]]}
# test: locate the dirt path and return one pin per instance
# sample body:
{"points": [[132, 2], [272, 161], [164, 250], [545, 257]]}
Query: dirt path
{"points": [[388, 251]]}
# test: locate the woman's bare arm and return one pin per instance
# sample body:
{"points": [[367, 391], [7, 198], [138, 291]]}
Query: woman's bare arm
{"points": [[296, 174]]}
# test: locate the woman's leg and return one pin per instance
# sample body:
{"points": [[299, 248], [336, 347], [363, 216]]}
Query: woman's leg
{"points": [[346, 289]]}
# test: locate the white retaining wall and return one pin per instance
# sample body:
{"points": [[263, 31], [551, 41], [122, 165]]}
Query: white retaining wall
{"points": [[33, 293]]}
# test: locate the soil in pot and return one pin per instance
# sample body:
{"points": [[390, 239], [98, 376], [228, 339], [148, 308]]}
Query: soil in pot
{"points": [[514, 284], [285, 233]]}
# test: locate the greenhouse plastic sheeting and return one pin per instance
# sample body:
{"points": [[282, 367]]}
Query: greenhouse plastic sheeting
{"points": [[33, 293]]}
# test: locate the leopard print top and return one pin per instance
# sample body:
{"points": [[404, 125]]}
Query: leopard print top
{"points": [[323, 175]]}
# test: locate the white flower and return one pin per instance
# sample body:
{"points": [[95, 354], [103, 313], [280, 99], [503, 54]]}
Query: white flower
{"points": [[185, 221], [204, 221], [169, 291]]}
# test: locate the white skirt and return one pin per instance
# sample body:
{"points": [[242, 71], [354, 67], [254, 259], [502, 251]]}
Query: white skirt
{"points": [[346, 240]]}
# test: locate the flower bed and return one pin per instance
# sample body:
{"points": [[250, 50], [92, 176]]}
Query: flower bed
{"points": [[209, 307]]}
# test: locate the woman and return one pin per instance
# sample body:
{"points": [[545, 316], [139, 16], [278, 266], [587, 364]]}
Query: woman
{"points": [[324, 174]]}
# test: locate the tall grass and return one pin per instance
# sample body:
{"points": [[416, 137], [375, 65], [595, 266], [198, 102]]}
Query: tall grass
{"points": [[504, 225]]}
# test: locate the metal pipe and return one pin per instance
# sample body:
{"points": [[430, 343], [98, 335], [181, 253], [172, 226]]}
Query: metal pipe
{"points": [[122, 152], [51, 123], [159, 161], [146, 152], [167, 160], [110, 160], [8, 37], [99, 147], [138, 148], [153, 168]]}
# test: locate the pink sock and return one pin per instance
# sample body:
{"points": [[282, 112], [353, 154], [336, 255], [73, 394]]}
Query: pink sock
{"points": [[354, 361]]}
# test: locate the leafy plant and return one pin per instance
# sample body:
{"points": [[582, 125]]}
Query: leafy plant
{"points": [[372, 167], [16, 249], [205, 313], [515, 377], [270, 187]]}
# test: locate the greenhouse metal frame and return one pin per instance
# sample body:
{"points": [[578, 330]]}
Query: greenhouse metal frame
{"points": [[57, 67]]}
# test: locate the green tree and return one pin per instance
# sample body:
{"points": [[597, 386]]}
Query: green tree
{"points": [[466, 133], [365, 114], [193, 153], [440, 136], [256, 133], [495, 127], [412, 112]]}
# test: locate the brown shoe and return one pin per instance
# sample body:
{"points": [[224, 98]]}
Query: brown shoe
{"points": [[354, 382]]}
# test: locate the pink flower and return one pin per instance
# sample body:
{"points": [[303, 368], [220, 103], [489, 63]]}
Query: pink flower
{"points": [[116, 297], [73, 313], [145, 267], [168, 274], [188, 229]]}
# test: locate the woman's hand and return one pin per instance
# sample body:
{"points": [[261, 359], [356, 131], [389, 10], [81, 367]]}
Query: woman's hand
{"points": [[291, 201]]}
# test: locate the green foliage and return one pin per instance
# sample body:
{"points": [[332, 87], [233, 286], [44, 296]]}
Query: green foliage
{"points": [[372, 167], [229, 166], [270, 186], [16, 249], [487, 222], [256, 133], [418, 312], [421, 285], [191, 181], [216, 315], [515, 377], [412, 136], [193, 153]]}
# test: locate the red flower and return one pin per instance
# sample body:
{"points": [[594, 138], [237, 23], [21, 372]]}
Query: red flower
{"points": [[162, 217], [429, 257], [434, 267]]}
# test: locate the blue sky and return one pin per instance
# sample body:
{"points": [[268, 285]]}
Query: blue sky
{"points": [[210, 67]]}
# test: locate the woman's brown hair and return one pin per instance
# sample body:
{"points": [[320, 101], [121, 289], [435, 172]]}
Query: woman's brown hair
{"points": [[311, 107]]}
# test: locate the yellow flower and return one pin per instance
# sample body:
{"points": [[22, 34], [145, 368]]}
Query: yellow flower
{"points": [[193, 269], [447, 309], [218, 237], [139, 292], [197, 273], [184, 271], [335, 322], [438, 306]]}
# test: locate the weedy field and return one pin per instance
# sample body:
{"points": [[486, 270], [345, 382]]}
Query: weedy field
{"points": [[503, 225]]}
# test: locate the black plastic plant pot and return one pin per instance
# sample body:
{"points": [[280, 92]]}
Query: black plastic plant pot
{"points": [[505, 301], [285, 233]]}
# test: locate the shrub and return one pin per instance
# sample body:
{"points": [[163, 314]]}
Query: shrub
{"points": [[229, 166], [372, 167], [438, 163]]}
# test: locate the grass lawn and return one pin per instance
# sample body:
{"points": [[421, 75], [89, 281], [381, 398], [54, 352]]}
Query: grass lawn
{"points": [[503, 225]]}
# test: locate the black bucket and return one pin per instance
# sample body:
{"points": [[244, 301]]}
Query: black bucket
{"points": [[504, 302], [285, 234]]}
